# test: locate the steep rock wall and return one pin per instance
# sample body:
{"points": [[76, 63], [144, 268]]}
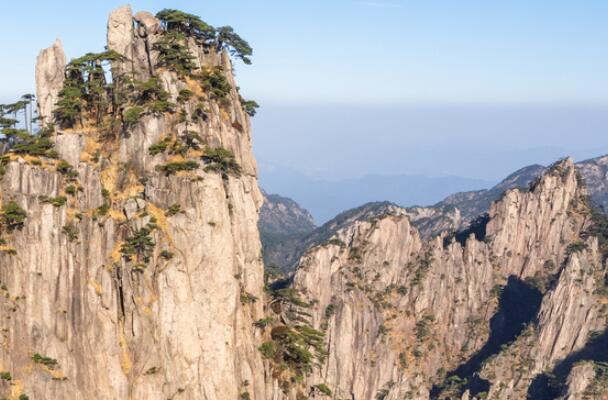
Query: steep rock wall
{"points": [[171, 322], [409, 314]]}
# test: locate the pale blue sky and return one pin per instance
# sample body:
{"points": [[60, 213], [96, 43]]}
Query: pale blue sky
{"points": [[430, 87], [364, 50]]}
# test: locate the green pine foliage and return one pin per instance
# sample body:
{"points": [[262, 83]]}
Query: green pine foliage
{"points": [[173, 167], [173, 210], [24, 141], [234, 44], [188, 24], [158, 148], [222, 38], [173, 53], [221, 160], [323, 388], [184, 95], [215, 83], [295, 346], [71, 232], [85, 94], [153, 97], [49, 362], [250, 107], [13, 216], [132, 115], [58, 201], [138, 247]]}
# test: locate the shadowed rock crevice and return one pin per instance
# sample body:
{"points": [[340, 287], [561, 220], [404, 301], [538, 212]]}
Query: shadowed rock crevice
{"points": [[477, 228], [551, 386], [518, 305]]}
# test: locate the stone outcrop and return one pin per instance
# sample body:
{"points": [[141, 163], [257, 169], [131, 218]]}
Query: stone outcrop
{"points": [[128, 281], [458, 316], [131, 265], [456, 211], [50, 66], [579, 381], [595, 174]]}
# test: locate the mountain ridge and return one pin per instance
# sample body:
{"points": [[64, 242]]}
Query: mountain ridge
{"points": [[453, 213], [414, 297], [131, 265]]}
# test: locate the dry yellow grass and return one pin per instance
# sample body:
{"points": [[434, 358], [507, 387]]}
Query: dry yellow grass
{"points": [[117, 215], [31, 159], [194, 87], [176, 158], [109, 177], [116, 254], [225, 116], [132, 186], [196, 153], [56, 374], [16, 389], [161, 221], [125, 358], [90, 148], [95, 285], [84, 129], [70, 213], [141, 302]]}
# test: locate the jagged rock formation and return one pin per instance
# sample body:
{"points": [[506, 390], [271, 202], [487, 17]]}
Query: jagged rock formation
{"points": [[453, 213], [595, 174], [476, 315], [135, 272], [131, 265], [458, 210], [286, 249], [50, 74]]}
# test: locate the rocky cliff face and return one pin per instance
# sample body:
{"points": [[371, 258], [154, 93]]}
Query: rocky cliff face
{"points": [[135, 272], [283, 226], [50, 74], [455, 212], [595, 174], [131, 265], [481, 314]]}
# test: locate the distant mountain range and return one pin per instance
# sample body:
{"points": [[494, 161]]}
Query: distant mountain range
{"points": [[287, 229], [327, 198]]}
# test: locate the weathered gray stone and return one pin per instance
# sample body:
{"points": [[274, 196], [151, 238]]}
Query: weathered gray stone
{"points": [[69, 146], [120, 36], [171, 327], [579, 380], [383, 280], [50, 74], [148, 23]]}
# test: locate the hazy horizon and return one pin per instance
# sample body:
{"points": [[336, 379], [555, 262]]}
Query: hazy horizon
{"points": [[354, 88]]}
